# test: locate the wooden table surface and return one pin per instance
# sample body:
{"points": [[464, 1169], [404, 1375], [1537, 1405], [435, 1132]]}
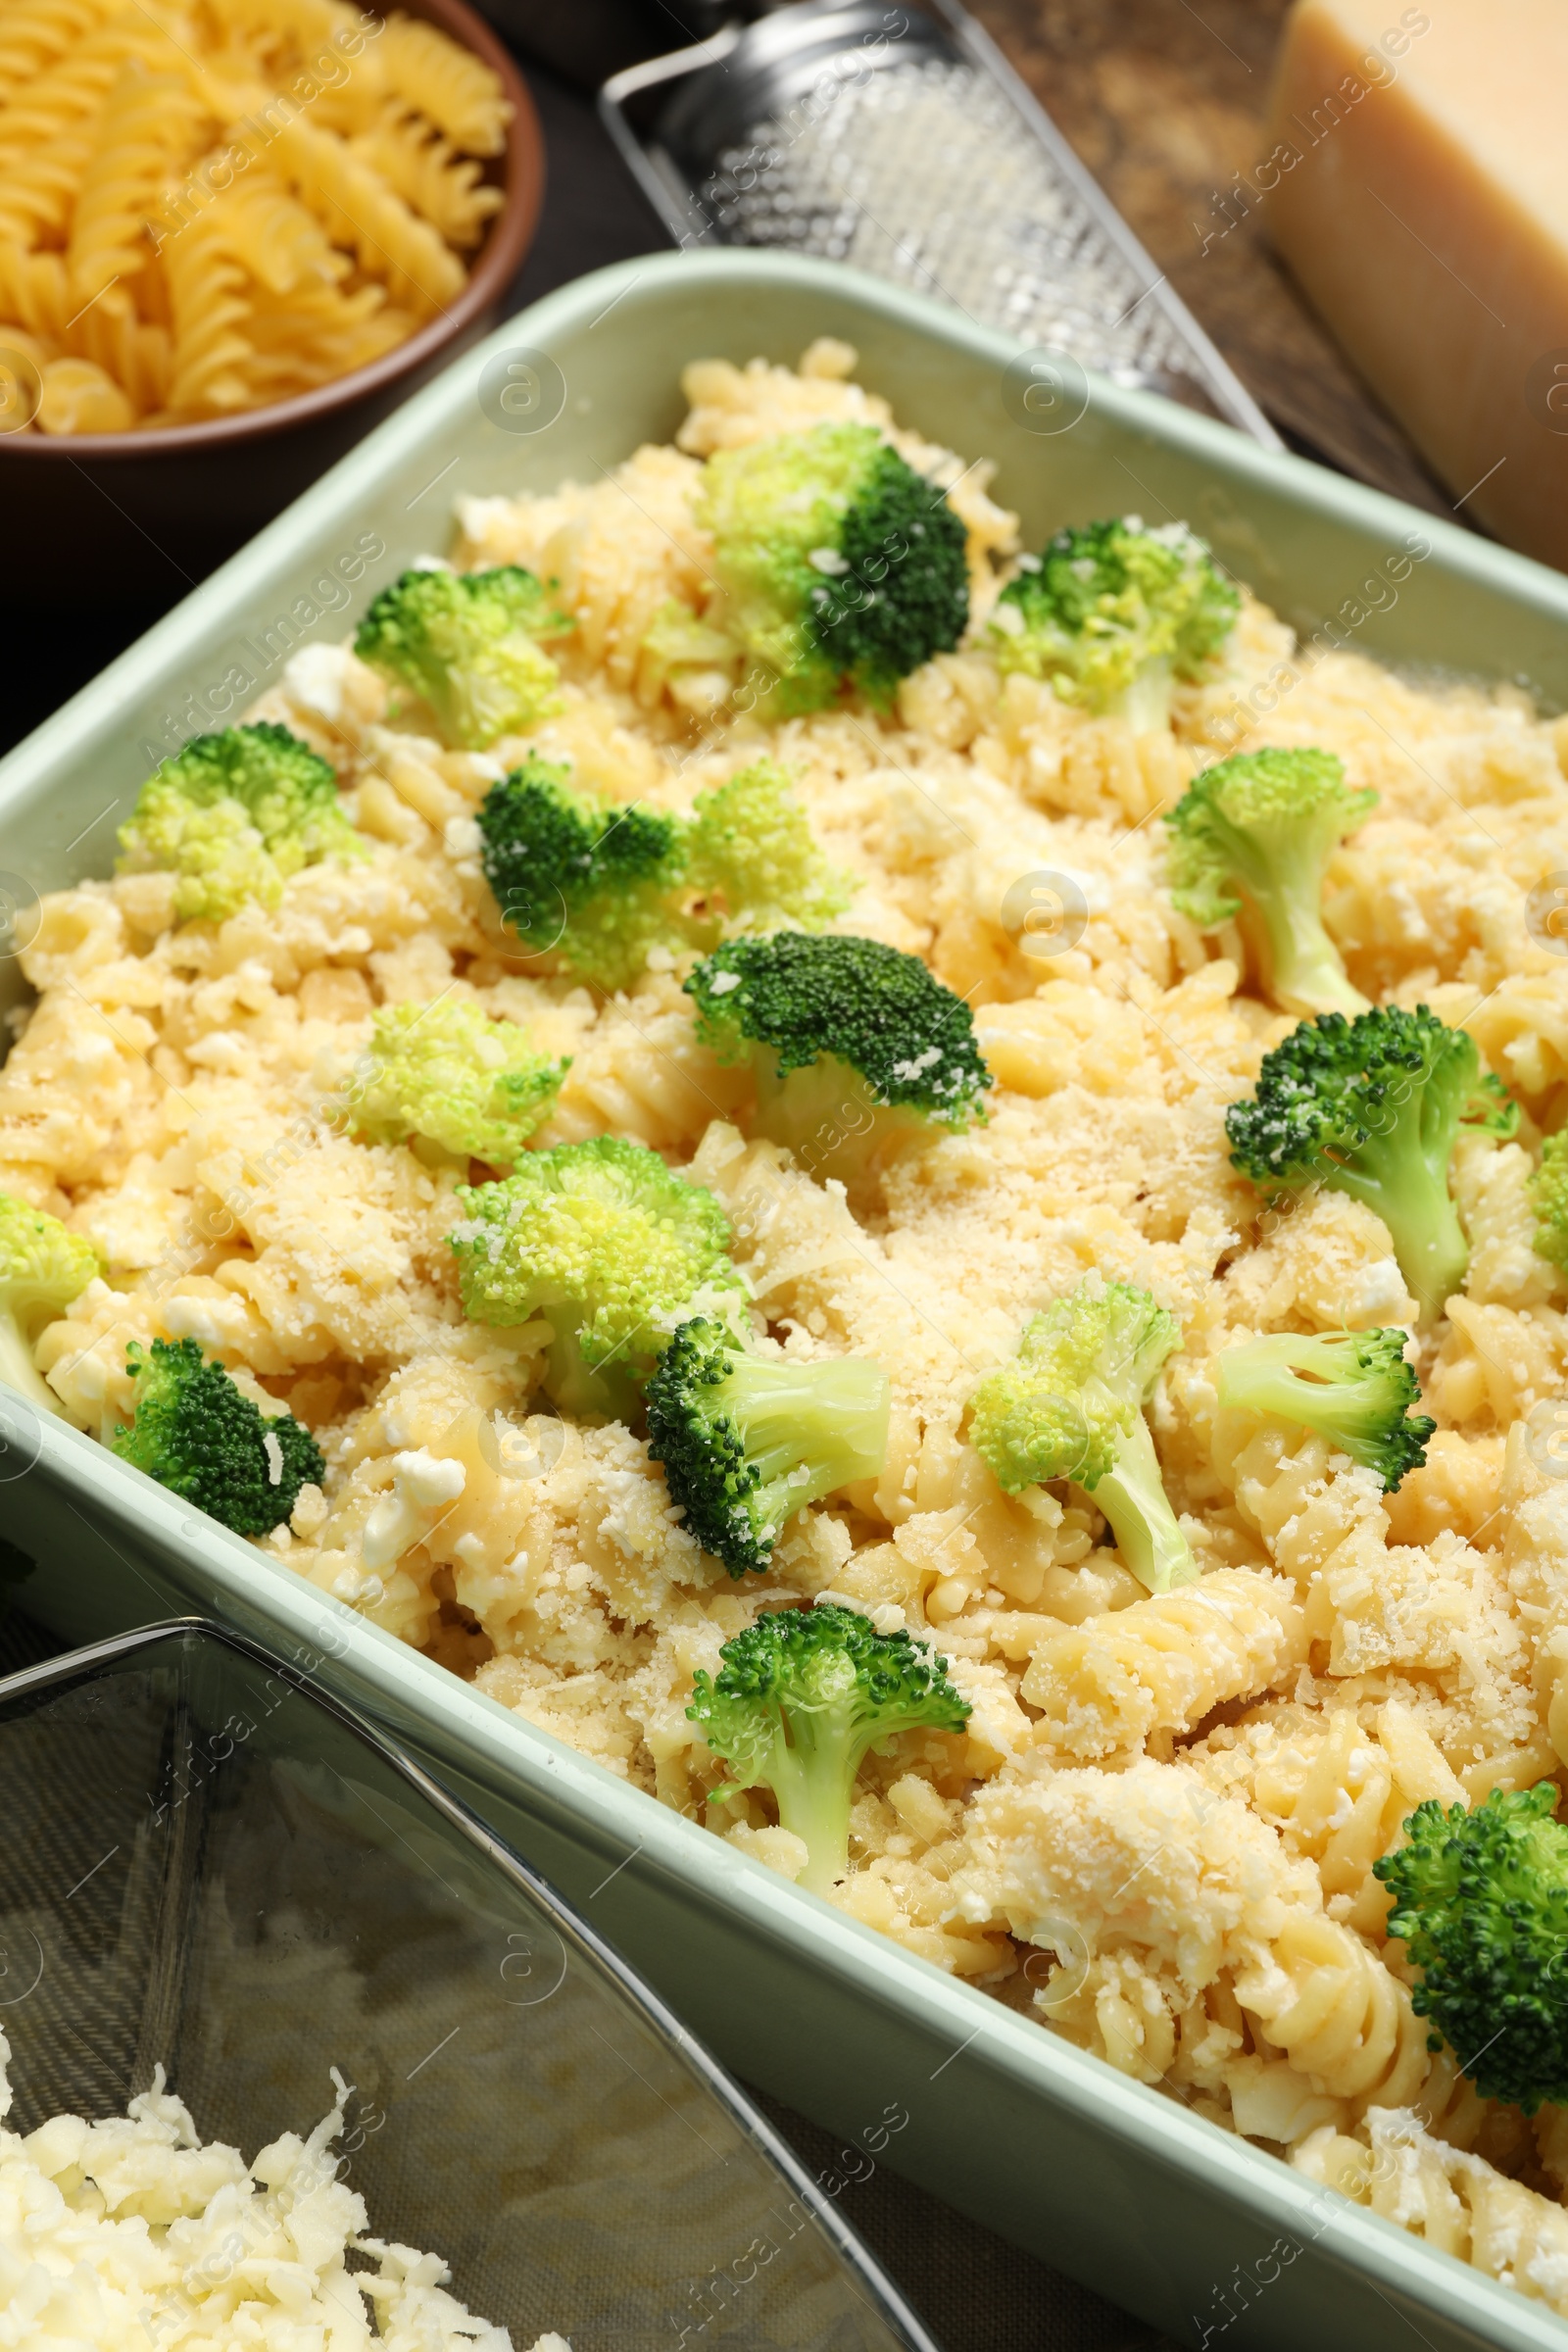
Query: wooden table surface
{"points": [[1165, 101]]}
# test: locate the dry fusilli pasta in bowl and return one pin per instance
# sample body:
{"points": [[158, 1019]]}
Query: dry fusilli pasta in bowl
{"points": [[221, 221], [781, 1130]]}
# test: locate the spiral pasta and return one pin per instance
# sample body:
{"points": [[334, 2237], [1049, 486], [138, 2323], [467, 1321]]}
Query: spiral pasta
{"points": [[78, 396], [34, 32], [204, 212], [209, 308], [136, 354], [148, 124], [38, 188], [281, 25], [1335, 2013], [74, 88], [1147, 1870], [445, 82], [1452, 2200], [1162, 1665], [1341, 1800], [34, 291], [429, 174], [278, 241], [390, 240]]}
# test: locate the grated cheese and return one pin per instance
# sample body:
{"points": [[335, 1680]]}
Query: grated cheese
{"points": [[132, 2232]]}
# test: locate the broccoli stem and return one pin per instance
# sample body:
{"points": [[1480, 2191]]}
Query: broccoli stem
{"points": [[1414, 1199], [1304, 962], [812, 1773], [607, 1391], [828, 1116], [1355, 1388], [1132, 1496], [18, 1371], [1145, 701], [1266, 1386], [809, 1428]]}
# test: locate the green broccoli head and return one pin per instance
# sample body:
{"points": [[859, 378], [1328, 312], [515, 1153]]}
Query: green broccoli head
{"points": [[800, 1700], [1112, 614], [1354, 1388], [1262, 827], [1070, 1405], [201, 1437], [1548, 1197], [466, 642], [606, 1243], [837, 562], [449, 1074], [855, 1045], [43, 1267], [233, 815], [1372, 1108], [589, 880], [753, 862], [599, 885], [746, 1440], [1481, 1903]]}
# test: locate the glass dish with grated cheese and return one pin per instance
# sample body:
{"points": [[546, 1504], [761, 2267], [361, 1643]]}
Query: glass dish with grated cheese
{"points": [[220, 1896]]}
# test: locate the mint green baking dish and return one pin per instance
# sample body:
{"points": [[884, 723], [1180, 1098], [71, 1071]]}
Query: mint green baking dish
{"points": [[1191, 2227]]}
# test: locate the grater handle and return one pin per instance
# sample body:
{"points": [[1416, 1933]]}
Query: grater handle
{"points": [[669, 195]]}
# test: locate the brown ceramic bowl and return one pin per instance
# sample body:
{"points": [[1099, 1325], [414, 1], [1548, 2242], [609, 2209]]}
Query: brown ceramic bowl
{"points": [[122, 518]]}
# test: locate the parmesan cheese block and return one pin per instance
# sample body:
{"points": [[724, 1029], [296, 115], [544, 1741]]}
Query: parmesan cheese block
{"points": [[1418, 190]]}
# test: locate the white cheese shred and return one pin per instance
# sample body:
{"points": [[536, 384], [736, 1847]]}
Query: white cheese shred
{"points": [[131, 2233]]}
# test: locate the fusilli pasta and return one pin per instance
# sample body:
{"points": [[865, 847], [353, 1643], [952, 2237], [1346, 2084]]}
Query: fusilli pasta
{"points": [[430, 174], [1122, 1682], [1454, 2200], [209, 205], [432, 75]]}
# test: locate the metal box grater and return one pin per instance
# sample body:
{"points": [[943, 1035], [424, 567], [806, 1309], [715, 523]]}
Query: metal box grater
{"points": [[901, 140]]}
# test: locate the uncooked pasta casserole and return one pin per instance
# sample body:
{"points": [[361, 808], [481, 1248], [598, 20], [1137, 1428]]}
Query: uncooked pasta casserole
{"points": [[912, 1189]]}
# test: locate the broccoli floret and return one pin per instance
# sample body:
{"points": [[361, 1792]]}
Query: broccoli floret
{"points": [[43, 1266], [1070, 1405], [466, 642], [593, 881], [447, 1072], [855, 1045], [746, 1440], [754, 864], [1372, 1108], [606, 1243], [1548, 1197], [598, 885], [1113, 614], [201, 1437], [233, 815], [1262, 827], [800, 1700], [1480, 1902], [1354, 1387], [836, 561], [687, 656]]}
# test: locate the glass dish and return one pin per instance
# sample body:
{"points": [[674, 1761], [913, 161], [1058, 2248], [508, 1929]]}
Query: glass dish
{"points": [[205, 1864]]}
